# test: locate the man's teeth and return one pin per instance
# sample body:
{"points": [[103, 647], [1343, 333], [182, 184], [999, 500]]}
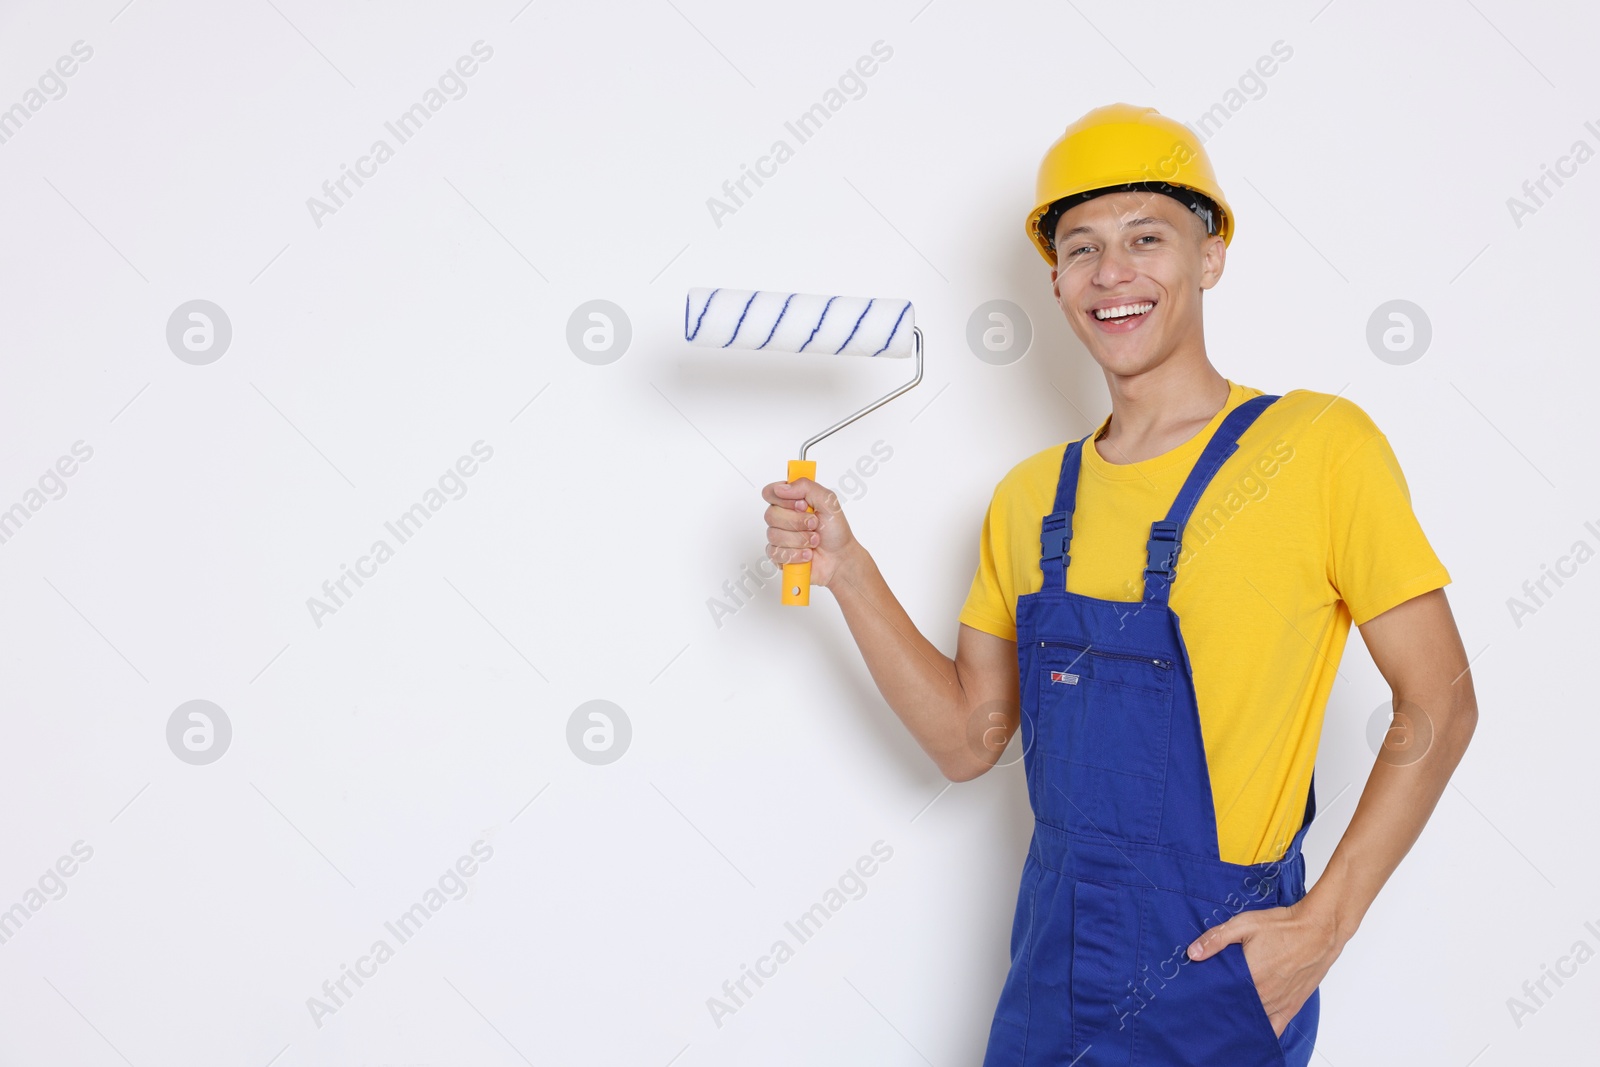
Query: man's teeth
{"points": [[1122, 312]]}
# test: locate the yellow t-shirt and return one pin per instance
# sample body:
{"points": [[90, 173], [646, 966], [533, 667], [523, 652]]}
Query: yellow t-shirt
{"points": [[1306, 528]]}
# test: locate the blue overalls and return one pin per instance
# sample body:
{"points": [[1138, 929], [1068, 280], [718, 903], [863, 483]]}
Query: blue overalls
{"points": [[1124, 871]]}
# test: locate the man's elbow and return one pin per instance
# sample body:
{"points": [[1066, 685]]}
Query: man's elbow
{"points": [[964, 768], [1462, 723], [1443, 726]]}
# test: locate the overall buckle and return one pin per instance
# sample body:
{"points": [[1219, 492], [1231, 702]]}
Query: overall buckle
{"points": [[1054, 539], [1162, 550]]}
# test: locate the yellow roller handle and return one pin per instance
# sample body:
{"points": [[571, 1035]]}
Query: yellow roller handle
{"points": [[797, 576]]}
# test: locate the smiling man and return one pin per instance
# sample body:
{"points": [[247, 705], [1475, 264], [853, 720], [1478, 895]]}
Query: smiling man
{"points": [[1161, 607]]}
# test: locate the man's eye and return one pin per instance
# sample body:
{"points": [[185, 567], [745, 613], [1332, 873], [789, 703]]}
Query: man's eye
{"points": [[1075, 251], [1149, 237]]}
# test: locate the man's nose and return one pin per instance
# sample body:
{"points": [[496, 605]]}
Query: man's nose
{"points": [[1114, 265]]}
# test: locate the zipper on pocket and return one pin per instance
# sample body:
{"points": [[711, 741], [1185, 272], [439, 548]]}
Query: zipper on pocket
{"points": [[1164, 664]]}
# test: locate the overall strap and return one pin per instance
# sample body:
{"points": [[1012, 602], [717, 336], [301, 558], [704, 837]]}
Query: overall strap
{"points": [[1310, 812], [1166, 535], [1055, 533], [1297, 845]]}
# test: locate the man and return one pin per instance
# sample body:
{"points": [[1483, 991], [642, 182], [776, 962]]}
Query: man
{"points": [[1161, 607]]}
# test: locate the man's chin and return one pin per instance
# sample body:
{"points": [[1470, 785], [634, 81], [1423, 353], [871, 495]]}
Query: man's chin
{"points": [[1124, 360]]}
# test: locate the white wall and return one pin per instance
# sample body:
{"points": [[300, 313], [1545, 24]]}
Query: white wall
{"points": [[374, 346]]}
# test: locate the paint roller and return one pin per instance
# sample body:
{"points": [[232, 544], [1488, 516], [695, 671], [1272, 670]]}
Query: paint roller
{"points": [[802, 323]]}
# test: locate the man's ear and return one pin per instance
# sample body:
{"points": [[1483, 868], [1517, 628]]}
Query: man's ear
{"points": [[1215, 253]]}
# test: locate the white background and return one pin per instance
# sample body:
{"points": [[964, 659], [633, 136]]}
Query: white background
{"points": [[431, 710]]}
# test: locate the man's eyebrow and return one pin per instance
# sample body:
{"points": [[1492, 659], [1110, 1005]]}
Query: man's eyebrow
{"points": [[1148, 220]]}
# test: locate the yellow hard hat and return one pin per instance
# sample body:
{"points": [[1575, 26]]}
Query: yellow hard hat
{"points": [[1120, 145]]}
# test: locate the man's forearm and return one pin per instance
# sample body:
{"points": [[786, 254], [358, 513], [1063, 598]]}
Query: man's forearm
{"points": [[917, 680], [1399, 797]]}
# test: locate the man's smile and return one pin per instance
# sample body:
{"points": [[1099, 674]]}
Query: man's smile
{"points": [[1121, 315]]}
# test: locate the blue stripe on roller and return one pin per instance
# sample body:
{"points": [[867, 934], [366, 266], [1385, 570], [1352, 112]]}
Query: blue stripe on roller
{"points": [[896, 329], [820, 319], [742, 314], [781, 313], [702, 317], [854, 328]]}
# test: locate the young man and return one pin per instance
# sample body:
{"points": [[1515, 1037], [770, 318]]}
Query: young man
{"points": [[1161, 606]]}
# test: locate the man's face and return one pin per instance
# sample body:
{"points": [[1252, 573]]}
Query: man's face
{"points": [[1138, 250]]}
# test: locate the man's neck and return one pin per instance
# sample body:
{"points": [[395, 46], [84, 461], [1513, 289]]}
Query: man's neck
{"points": [[1155, 412]]}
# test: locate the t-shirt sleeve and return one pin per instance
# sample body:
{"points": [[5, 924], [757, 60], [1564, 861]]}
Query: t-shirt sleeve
{"points": [[1378, 555], [990, 604]]}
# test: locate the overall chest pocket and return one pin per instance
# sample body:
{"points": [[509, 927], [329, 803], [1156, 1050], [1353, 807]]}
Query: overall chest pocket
{"points": [[1104, 724]]}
